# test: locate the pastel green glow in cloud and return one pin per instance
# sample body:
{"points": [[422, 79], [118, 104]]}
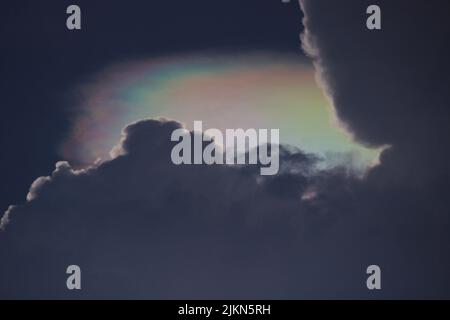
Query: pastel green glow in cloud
{"points": [[250, 91]]}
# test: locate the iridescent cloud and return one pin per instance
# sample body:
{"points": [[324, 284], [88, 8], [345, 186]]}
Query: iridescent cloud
{"points": [[258, 90]]}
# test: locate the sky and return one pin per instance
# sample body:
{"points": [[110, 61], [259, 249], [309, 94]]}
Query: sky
{"points": [[346, 100]]}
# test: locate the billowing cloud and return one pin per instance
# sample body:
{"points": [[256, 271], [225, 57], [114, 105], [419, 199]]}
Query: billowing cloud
{"points": [[139, 225], [389, 86]]}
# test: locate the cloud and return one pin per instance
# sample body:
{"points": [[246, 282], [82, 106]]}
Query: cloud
{"points": [[389, 86], [141, 227], [140, 223]]}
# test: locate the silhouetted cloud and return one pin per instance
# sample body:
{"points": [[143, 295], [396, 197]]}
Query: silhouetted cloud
{"points": [[389, 86], [160, 230]]}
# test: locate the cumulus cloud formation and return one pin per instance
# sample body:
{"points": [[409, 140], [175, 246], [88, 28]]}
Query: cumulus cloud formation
{"points": [[140, 226], [389, 86]]}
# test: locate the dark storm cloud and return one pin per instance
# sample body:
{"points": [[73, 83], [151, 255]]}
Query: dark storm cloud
{"points": [[41, 61], [389, 86], [140, 226]]}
